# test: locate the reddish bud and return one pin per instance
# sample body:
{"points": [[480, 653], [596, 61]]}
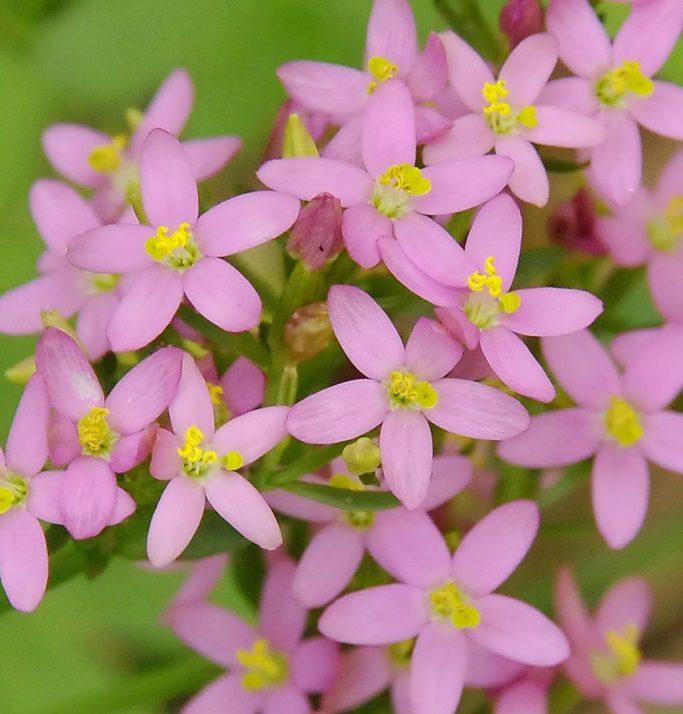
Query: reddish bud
{"points": [[573, 225], [308, 332], [520, 18], [316, 236]]}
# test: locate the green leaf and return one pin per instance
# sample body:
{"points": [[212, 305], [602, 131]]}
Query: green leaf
{"points": [[563, 166], [467, 19], [573, 478], [311, 462], [537, 263], [344, 498], [249, 569]]}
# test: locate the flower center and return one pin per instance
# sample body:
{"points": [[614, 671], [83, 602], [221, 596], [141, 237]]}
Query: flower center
{"points": [[103, 282], [395, 187], [450, 603], [407, 392], [265, 668], [106, 159], [358, 519], [487, 298], [13, 491], [94, 434], [665, 232], [177, 250], [197, 460], [381, 69], [622, 422], [622, 657], [401, 652], [500, 115], [612, 88], [221, 413]]}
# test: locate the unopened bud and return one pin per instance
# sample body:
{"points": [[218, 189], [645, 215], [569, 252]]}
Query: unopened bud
{"points": [[362, 457], [573, 225], [308, 332], [22, 371], [297, 140], [316, 236], [521, 18]]}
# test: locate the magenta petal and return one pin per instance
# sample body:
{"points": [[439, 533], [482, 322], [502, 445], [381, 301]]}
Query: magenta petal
{"points": [[661, 442], [208, 156], [477, 410], [166, 462], [328, 564], [244, 386], [227, 688], [175, 520], [376, 616], [409, 547], [392, 33], [362, 226], [244, 508], [192, 405], [44, 496], [23, 559], [26, 451], [529, 67], [513, 629], [169, 191], [529, 180], [115, 248], [68, 148], [363, 673], [628, 602], [468, 71], [283, 618], [437, 671], [431, 352], [469, 136], [245, 221], [406, 445], [496, 545], [315, 663], [252, 434], [87, 497], [657, 683], [621, 487]]}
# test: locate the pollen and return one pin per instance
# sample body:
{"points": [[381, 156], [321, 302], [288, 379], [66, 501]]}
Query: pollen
{"points": [[622, 422], [381, 69], [450, 603], [196, 460], [221, 413], [233, 460], [107, 158], [13, 491], [488, 300], [613, 88], [407, 392], [500, 115], [621, 658], [94, 434], [396, 186], [264, 668], [177, 250]]}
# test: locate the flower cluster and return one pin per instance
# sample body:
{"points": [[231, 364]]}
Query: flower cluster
{"points": [[359, 401]]}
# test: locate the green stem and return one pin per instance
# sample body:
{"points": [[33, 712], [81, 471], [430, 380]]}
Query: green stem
{"points": [[466, 18], [311, 462]]}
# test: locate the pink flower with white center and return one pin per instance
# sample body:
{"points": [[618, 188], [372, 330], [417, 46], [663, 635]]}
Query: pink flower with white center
{"points": [[390, 196], [606, 661], [200, 464], [447, 601], [619, 419], [403, 391], [179, 253], [614, 85], [486, 313], [100, 437], [271, 669], [336, 550], [111, 164], [507, 115], [60, 214]]}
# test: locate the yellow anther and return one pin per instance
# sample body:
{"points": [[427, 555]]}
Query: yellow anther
{"points": [[362, 457], [622, 422], [265, 668], [409, 393], [381, 69], [94, 434], [449, 602], [407, 178], [492, 281], [216, 393], [107, 158], [612, 87], [196, 460], [233, 460], [489, 266], [494, 92], [528, 117], [501, 115], [476, 282], [622, 658], [6, 499], [509, 302], [177, 250]]}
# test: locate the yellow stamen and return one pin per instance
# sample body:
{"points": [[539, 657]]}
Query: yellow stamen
{"points": [[488, 299], [613, 87], [406, 178], [196, 460], [233, 460], [381, 69], [216, 393], [406, 392], [177, 250], [94, 434], [622, 658], [622, 422], [265, 668], [107, 158], [500, 115], [449, 602], [6, 499]]}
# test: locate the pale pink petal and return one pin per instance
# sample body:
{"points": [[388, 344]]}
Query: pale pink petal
{"points": [[376, 616], [363, 673], [400, 694], [467, 70], [132, 449], [621, 486], [166, 462], [621, 703], [409, 547], [302, 508], [227, 688], [659, 111], [437, 671], [124, 507], [44, 494], [406, 445], [664, 275], [545, 443], [244, 221], [208, 156], [628, 602], [23, 559], [146, 308], [450, 475], [62, 439], [513, 629], [496, 545], [286, 699], [328, 564], [584, 43], [116, 248], [561, 127], [528, 68], [192, 405], [486, 670], [469, 136], [572, 612], [362, 226], [430, 123], [529, 180], [314, 664], [244, 508], [345, 145], [72, 386], [244, 386], [26, 451], [657, 683], [662, 443], [523, 698], [175, 520], [389, 128], [671, 180], [92, 322], [306, 177], [68, 148], [283, 618], [338, 413], [429, 75], [458, 324], [431, 352], [169, 190], [202, 580], [625, 239], [572, 93], [392, 34], [628, 345], [477, 410], [87, 497], [252, 434]]}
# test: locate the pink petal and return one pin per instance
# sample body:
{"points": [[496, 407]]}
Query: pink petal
{"points": [[302, 508], [175, 520], [208, 156], [628, 602], [345, 145], [169, 191], [124, 507], [620, 703], [671, 179], [200, 584], [244, 508], [496, 545], [545, 443], [401, 700], [328, 564], [572, 613], [628, 345], [529, 67], [115, 248], [364, 672], [44, 495], [247, 220], [87, 497], [437, 671], [516, 630], [468, 71], [314, 665], [476, 410], [529, 180], [572, 93], [469, 136], [658, 112], [68, 148], [625, 239], [192, 405], [406, 445], [392, 34], [657, 683], [26, 451], [338, 413], [93, 320], [450, 475], [429, 75], [62, 439], [283, 619], [560, 127], [409, 547], [23, 559], [523, 698], [661, 442], [305, 178], [362, 226], [621, 486], [286, 699], [487, 670], [227, 688], [252, 434], [244, 386], [431, 352], [664, 275], [132, 449], [376, 616], [166, 462]]}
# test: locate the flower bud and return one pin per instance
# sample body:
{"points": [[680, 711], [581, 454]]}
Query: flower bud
{"points": [[573, 225], [519, 19], [22, 371], [308, 332], [316, 236], [297, 140], [361, 457]]}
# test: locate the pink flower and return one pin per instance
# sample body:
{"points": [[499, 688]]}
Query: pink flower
{"points": [[271, 670], [620, 419], [100, 437], [448, 602], [178, 253], [110, 164], [507, 114], [200, 464], [390, 196], [614, 85], [473, 288], [403, 389], [606, 661]]}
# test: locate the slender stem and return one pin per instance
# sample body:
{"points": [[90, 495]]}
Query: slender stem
{"points": [[466, 18]]}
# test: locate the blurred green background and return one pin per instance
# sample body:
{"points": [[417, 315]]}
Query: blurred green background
{"points": [[94, 646]]}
